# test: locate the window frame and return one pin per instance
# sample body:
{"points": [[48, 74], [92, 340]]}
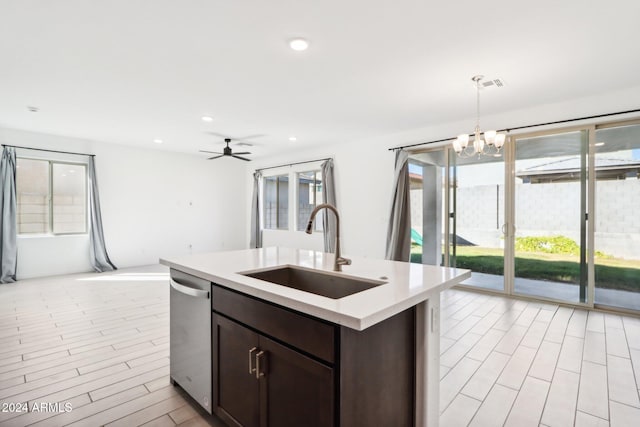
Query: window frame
{"points": [[318, 226], [50, 163], [292, 172], [277, 204]]}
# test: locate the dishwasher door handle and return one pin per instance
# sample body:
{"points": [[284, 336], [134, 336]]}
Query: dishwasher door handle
{"points": [[198, 293]]}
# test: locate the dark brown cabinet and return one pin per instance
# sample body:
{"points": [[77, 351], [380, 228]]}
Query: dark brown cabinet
{"points": [[236, 399], [296, 390], [263, 383], [274, 367]]}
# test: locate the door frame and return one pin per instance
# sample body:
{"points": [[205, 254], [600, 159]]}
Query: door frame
{"points": [[587, 222], [509, 209]]}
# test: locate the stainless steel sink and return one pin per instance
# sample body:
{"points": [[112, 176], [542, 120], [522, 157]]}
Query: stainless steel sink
{"points": [[319, 283]]}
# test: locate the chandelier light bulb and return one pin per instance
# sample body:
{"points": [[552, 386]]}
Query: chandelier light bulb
{"points": [[456, 145], [490, 137], [463, 140], [500, 138]]}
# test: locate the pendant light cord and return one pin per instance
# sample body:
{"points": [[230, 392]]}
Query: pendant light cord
{"points": [[477, 80]]}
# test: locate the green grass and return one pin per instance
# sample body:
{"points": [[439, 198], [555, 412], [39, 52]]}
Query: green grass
{"points": [[611, 273]]}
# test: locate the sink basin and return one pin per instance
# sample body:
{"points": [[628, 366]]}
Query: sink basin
{"points": [[319, 283]]}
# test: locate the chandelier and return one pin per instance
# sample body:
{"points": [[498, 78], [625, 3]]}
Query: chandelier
{"points": [[492, 142]]}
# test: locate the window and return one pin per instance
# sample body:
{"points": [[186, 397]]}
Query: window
{"points": [[52, 197], [276, 202], [300, 185], [309, 196]]}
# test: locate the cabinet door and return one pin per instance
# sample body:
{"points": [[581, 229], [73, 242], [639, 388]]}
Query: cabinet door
{"points": [[236, 392], [295, 389]]}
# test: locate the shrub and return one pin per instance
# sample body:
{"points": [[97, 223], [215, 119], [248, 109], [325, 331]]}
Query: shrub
{"points": [[548, 244]]}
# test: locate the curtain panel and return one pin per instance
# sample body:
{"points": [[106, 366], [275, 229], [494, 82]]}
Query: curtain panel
{"points": [[256, 230], [329, 196], [399, 228], [98, 250], [8, 217]]}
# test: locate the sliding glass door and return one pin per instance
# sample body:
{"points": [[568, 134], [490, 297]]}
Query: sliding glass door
{"points": [[428, 196], [550, 200], [558, 217], [458, 214], [617, 216], [476, 212]]}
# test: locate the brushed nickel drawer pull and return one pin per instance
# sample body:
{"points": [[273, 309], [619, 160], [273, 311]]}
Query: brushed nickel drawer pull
{"points": [[259, 372], [251, 368]]}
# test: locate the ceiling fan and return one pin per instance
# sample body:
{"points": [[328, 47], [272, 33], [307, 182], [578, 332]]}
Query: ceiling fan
{"points": [[227, 152], [240, 141]]}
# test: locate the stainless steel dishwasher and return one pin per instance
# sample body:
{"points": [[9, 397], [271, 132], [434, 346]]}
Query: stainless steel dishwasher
{"points": [[190, 335]]}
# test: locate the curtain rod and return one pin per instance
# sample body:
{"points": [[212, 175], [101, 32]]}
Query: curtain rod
{"points": [[50, 151], [291, 164], [523, 127]]}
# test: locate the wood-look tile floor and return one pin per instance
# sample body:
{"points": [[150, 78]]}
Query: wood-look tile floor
{"points": [[519, 363], [98, 343]]}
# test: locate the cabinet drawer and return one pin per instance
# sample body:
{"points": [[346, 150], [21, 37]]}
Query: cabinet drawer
{"points": [[307, 334]]}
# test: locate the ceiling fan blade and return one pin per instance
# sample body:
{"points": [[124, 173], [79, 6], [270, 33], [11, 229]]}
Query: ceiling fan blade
{"points": [[215, 157], [243, 152], [218, 134], [245, 138], [241, 158], [212, 152]]}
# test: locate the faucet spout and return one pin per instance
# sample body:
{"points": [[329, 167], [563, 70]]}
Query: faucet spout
{"points": [[339, 260]]}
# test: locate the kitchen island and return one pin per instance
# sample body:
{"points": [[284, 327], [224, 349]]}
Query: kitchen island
{"points": [[280, 353]]}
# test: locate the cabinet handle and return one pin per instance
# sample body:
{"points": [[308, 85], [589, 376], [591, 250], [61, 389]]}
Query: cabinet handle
{"points": [[251, 368], [187, 290], [259, 372]]}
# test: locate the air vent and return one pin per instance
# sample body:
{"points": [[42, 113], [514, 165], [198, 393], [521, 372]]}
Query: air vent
{"points": [[489, 83]]}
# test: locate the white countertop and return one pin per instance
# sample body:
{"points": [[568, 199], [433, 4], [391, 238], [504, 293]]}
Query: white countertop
{"points": [[407, 284]]}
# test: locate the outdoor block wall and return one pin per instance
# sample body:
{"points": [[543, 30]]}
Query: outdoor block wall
{"points": [[547, 210], [69, 214], [554, 209]]}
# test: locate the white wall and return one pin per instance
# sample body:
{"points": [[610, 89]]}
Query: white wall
{"points": [[363, 181], [154, 204], [364, 169], [157, 203]]}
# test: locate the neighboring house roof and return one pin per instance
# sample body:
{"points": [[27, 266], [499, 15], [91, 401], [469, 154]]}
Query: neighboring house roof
{"points": [[568, 169], [415, 180]]}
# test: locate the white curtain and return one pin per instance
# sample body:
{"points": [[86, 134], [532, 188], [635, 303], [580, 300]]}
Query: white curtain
{"points": [[98, 249], [399, 228], [8, 219], [256, 230], [329, 196]]}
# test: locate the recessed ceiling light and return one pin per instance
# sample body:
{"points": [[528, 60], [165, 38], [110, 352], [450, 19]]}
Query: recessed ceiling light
{"points": [[293, 138], [33, 109], [157, 141], [599, 144], [207, 118], [299, 44]]}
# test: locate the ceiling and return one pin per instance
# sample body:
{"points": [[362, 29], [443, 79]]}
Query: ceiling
{"points": [[131, 71]]}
